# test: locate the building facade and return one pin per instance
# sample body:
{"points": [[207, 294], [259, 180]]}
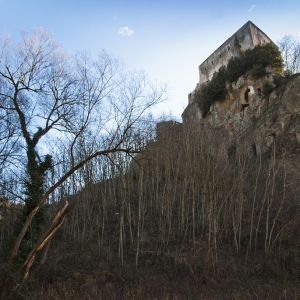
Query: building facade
{"points": [[247, 37]]}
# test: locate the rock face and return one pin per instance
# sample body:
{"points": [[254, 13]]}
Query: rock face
{"points": [[248, 112]]}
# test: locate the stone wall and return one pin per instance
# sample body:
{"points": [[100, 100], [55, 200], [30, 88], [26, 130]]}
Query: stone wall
{"points": [[247, 37], [166, 128]]}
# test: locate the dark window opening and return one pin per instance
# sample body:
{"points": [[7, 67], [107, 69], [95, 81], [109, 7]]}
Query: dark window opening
{"points": [[212, 62], [220, 55], [246, 95], [259, 92], [228, 48], [254, 150], [244, 106]]}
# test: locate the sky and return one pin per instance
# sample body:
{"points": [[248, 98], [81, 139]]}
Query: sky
{"points": [[167, 39]]}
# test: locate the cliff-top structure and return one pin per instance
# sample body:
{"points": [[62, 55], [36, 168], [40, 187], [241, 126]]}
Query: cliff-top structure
{"points": [[258, 110], [247, 37]]}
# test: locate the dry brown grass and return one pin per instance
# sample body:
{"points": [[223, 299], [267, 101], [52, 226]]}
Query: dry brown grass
{"points": [[153, 290], [187, 218]]}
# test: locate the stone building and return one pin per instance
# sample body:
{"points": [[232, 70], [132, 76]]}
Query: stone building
{"points": [[247, 37], [167, 128]]}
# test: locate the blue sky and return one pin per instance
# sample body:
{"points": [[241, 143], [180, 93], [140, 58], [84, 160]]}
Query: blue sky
{"points": [[166, 39]]}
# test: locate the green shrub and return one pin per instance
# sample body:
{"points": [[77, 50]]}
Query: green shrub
{"points": [[268, 55], [261, 55], [236, 67], [253, 60], [279, 80], [267, 88], [258, 71], [215, 90]]}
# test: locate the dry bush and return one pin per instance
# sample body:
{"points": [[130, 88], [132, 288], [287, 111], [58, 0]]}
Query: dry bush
{"points": [[181, 202], [184, 211]]}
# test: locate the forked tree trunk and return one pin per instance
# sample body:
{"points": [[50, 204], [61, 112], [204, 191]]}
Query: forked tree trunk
{"points": [[44, 239]]}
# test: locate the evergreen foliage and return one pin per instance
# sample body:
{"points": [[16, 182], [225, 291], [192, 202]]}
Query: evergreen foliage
{"points": [[258, 71], [267, 88], [261, 55], [213, 91], [253, 61]]}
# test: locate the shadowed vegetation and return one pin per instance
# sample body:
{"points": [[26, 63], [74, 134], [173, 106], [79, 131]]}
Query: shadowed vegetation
{"points": [[253, 61], [179, 216]]}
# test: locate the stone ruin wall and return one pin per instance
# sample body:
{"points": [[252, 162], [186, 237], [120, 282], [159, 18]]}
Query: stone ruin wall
{"points": [[247, 37]]}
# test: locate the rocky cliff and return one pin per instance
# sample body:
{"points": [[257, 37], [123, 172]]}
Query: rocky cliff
{"points": [[258, 111]]}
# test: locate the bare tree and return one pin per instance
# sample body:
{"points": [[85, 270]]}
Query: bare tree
{"points": [[290, 49], [70, 103]]}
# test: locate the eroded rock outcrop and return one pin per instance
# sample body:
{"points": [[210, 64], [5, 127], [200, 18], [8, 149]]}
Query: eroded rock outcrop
{"points": [[250, 112]]}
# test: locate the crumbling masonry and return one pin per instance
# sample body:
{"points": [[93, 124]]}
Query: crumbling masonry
{"points": [[247, 37]]}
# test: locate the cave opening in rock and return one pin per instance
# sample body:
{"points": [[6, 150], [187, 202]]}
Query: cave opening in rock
{"points": [[244, 106], [254, 152], [246, 95]]}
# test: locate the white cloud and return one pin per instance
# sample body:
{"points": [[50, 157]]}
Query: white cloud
{"points": [[125, 31], [252, 7]]}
